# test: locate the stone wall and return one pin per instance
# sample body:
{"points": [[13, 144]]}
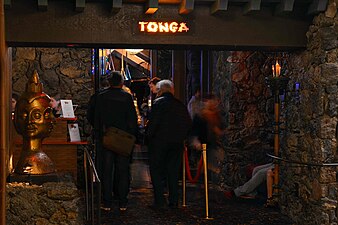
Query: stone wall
{"points": [[63, 71], [247, 110], [51, 203], [309, 193]]}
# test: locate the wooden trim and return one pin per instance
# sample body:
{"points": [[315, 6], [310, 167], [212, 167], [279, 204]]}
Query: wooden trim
{"points": [[317, 6], [186, 6], [80, 5], [285, 6], [151, 6], [116, 5], [5, 90], [42, 5], [206, 31], [252, 5], [219, 5]]}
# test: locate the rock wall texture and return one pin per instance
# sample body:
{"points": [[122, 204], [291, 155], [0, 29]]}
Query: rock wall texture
{"points": [[309, 193], [51, 203], [247, 112], [65, 73]]}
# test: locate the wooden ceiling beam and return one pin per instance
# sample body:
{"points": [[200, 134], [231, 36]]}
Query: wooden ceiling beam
{"points": [[317, 6], [133, 60], [251, 6], [186, 6], [80, 5], [116, 5], [151, 7], [285, 6], [42, 5], [218, 6]]}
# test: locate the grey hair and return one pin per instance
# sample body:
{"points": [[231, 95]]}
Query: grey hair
{"points": [[165, 86]]}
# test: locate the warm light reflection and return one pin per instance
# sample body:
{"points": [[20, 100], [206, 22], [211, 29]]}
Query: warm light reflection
{"points": [[11, 163], [151, 10], [276, 69], [134, 51]]}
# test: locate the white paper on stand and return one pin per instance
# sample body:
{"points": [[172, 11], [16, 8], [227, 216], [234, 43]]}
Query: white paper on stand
{"points": [[67, 108], [74, 133]]}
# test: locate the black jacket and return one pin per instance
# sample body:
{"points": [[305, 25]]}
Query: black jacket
{"points": [[169, 120], [113, 107]]}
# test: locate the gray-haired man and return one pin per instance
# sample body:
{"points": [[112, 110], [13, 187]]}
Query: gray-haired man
{"points": [[168, 127]]}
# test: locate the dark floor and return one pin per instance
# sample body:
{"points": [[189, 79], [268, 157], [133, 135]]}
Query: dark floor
{"points": [[222, 211]]}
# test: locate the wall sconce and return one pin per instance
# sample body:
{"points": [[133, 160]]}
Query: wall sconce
{"points": [[277, 82]]}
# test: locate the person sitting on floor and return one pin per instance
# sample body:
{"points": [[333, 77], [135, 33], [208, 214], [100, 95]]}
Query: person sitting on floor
{"points": [[249, 189]]}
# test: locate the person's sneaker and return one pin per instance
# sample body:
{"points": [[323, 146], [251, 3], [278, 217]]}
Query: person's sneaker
{"points": [[247, 196], [122, 209], [229, 194], [107, 209]]}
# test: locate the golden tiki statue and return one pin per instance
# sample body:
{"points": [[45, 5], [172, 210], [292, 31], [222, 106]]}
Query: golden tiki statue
{"points": [[33, 119]]}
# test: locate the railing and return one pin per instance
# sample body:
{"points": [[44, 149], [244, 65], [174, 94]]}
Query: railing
{"points": [[205, 171], [93, 191]]}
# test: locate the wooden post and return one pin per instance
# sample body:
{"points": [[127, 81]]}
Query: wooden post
{"points": [[153, 63], [184, 178], [178, 73], [5, 88], [205, 167], [276, 143]]}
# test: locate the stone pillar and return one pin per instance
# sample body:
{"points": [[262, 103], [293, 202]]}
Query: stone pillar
{"points": [[246, 110], [309, 193]]}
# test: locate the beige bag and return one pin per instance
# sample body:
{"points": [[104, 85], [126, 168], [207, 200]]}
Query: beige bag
{"points": [[118, 141]]}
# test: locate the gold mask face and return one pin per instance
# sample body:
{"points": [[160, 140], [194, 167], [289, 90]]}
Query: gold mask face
{"points": [[35, 119]]}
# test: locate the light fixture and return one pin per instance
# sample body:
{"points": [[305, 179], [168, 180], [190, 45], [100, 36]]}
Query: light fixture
{"points": [[134, 51]]}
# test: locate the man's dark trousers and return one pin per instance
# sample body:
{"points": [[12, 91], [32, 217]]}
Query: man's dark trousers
{"points": [[121, 165], [165, 158]]}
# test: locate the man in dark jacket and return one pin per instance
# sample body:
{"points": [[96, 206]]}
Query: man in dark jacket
{"points": [[168, 127], [114, 108]]}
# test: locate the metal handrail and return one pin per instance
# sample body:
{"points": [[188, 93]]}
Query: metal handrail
{"points": [[301, 163], [91, 178]]}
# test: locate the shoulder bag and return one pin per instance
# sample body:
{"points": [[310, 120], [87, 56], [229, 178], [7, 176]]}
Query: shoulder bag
{"points": [[118, 141]]}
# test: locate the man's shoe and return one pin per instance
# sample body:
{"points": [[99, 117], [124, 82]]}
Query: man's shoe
{"points": [[123, 206], [122, 209], [107, 209]]}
